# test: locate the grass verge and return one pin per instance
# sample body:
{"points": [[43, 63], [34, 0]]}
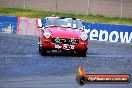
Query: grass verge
{"points": [[42, 14]]}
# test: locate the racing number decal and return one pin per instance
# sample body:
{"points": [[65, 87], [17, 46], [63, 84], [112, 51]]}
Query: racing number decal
{"points": [[65, 46], [58, 47], [68, 47], [72, 46]]}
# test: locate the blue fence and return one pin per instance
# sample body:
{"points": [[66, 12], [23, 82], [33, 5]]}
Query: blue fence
{"points": [[8, 24], [96, 31], [109, 32]]}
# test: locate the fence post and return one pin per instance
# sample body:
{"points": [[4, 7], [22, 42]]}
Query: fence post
{"points": [[24, 4], [121, 8], [56, 5], [88, 7]]}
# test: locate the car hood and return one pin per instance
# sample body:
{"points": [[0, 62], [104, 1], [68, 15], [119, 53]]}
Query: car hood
{"points": [[64, 32]]}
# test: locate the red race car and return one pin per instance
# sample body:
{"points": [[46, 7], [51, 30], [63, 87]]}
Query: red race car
{"points": [[63, 34]]}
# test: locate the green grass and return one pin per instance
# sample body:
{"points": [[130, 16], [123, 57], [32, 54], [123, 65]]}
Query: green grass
{"points": [[43, 14]]}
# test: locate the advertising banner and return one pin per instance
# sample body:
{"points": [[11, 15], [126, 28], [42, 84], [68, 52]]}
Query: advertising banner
{"points": [[109, 32], [95, 31], [27, 26], [8, 24]]}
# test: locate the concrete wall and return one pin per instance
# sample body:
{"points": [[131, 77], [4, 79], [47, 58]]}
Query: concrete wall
{"points": [[118, 8]]}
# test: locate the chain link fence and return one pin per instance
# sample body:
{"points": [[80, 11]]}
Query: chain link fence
{"points": [[116, 8]]}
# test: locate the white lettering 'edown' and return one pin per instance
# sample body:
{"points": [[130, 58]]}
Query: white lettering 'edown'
{"points": [[113, 36], [94, 34], [116, 36], [125, 38], [105, 33]]}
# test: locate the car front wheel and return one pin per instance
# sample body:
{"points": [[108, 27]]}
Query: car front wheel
{"points": [[43, 51], [82, 53]]}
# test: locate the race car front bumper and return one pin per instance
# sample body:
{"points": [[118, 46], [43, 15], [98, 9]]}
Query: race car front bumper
{"points": [[82, 45]]}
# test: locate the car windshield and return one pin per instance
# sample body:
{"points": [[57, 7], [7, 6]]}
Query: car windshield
{"points": [[79, 24], [64, 22], [51, 22]]}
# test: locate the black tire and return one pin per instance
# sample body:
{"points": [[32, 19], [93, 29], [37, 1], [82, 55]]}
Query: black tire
{"points": [[43, 51], [82, 53], [39, 48]]}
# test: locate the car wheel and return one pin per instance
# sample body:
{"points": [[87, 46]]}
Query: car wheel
{"points": [[39, 49], [82, 53], [43, 51]]}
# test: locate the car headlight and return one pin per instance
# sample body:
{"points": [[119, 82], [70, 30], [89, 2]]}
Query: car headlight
{"points": [[84, 36], [47, 35]]}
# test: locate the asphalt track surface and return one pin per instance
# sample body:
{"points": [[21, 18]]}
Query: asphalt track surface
{"points": [[21, 65]]}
